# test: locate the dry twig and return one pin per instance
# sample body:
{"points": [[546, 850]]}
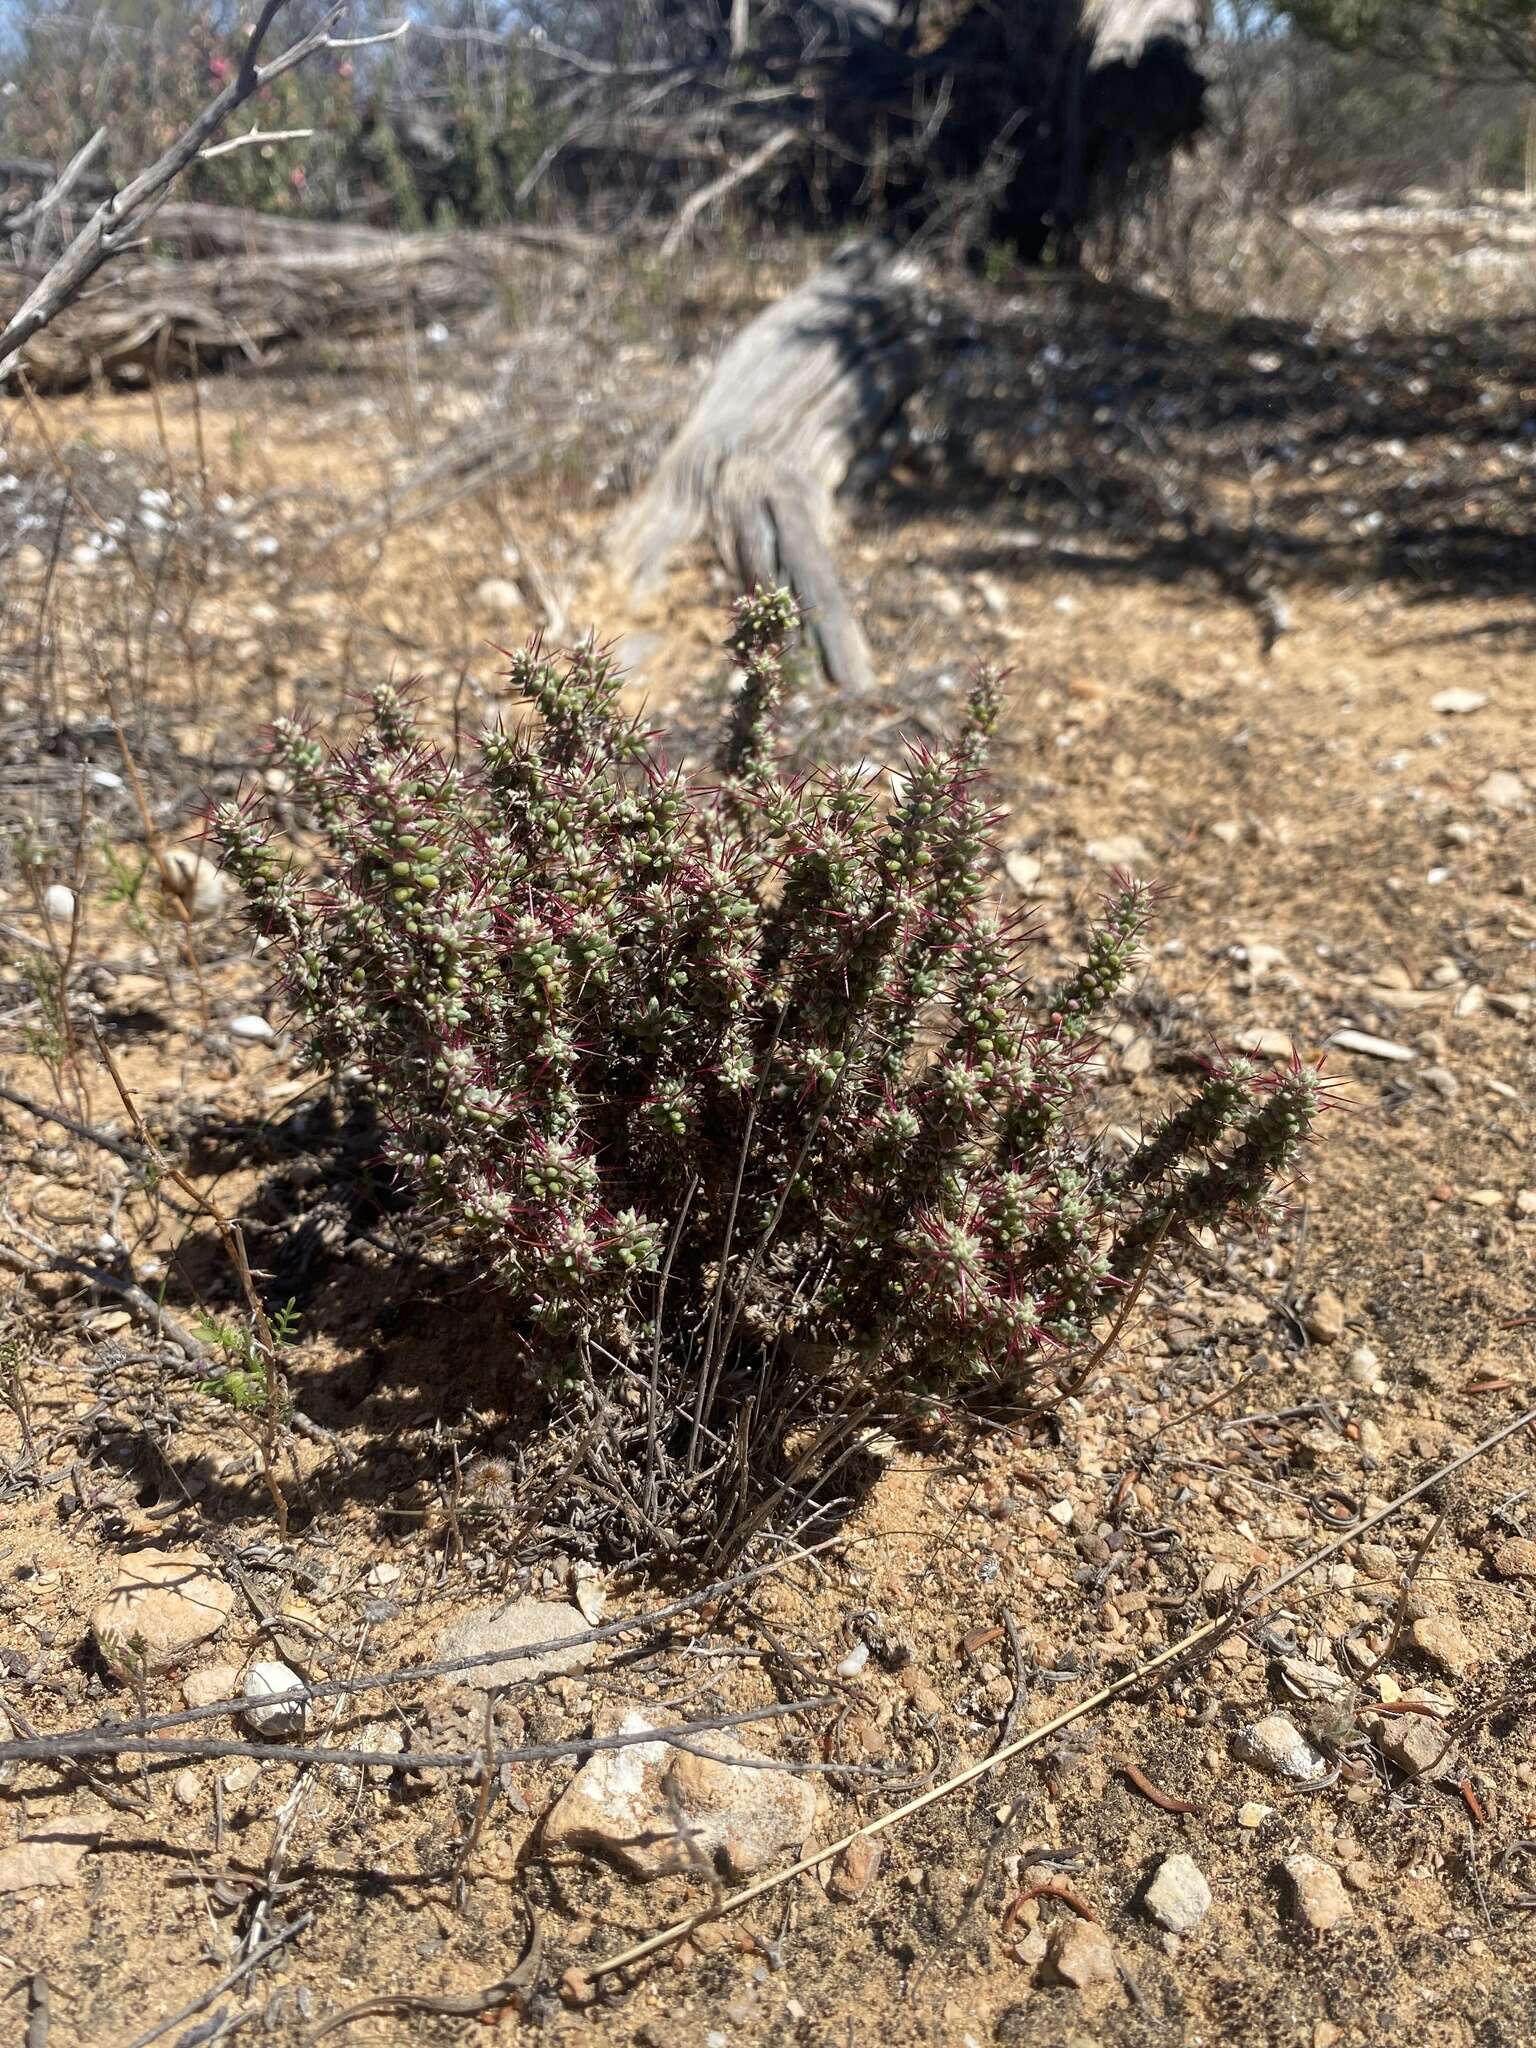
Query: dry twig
{"points": [[1197, 1644], [117, 221]]}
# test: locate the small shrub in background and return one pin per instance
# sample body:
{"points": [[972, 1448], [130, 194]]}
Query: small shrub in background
{"points": [[736, 1090]]}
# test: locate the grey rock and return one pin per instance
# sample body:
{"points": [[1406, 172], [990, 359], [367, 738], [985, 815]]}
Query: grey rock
{"points": [[498, 595], [276, 1718], [654, 1810], [1179, 1897], [515, 1627], [1277, 1746]]}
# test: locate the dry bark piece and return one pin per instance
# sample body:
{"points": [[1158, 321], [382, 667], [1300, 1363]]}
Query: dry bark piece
{"points": [[156, 319]]}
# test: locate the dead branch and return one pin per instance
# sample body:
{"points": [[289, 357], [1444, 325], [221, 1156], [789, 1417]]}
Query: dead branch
{"points": [[723, 186], [118, 220], [254, 136], [108, 1741], [35, 215], [797, 397]]}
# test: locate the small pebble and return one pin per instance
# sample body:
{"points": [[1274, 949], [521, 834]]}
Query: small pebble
{"points": [[1179, 1897], [195, 880], [1079, 1953], [211, 1682], [498, 596], [281, 1717], [255, 1030], [1371, 1047], [1364, 1366], [187, 1787], [1443, 1640], [1419, 1747], [1277, 1746], [1318, 1898], [1502, 790], [854, 1662], [856, 1869], [1457, 703], [1324, 1318]]}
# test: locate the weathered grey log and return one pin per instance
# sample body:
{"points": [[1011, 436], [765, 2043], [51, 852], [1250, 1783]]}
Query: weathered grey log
{"points": [[804, 390], [195, 229], [163, 318]]}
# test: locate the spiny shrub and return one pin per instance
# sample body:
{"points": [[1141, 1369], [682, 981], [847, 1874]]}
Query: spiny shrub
{"points": [[736, 1088]]}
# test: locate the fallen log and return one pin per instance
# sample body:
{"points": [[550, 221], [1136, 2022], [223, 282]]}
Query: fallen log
{"points": [[193, 229], [800, 394], [161, 319]]}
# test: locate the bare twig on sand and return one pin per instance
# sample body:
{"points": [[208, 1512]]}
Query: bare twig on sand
{"points": [[1196, 1646], [131, 1155], [225, 1983], [153, 1314], [110, 1741], [513, 1990]]}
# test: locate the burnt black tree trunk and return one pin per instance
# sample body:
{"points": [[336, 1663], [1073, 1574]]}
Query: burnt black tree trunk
{"points": [[1043, 112], [884, 114]]}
